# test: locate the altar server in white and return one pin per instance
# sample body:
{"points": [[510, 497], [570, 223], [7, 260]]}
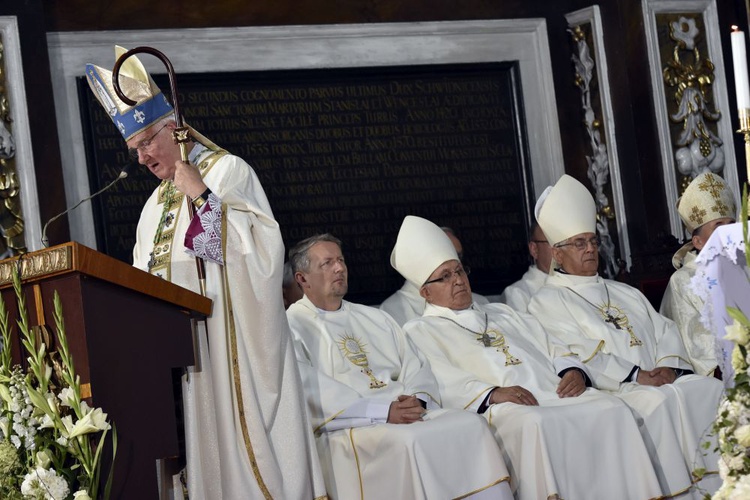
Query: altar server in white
{"points": [[706, 204], [630, 349], [561, 439], [374, 401]]}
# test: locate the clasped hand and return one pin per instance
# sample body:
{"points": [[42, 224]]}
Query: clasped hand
{"points": [[656, 377], [405, 410]]}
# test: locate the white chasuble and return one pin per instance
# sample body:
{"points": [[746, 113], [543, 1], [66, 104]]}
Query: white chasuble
{"points": [[517, 295], [683, 306], [563, 447], [614, 328], [247, 431], [354, 362]]}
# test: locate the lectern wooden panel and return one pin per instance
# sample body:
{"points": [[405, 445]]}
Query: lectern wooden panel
{"points": [[130, 333]]}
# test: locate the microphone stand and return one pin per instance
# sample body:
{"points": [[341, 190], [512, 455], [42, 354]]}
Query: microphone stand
{"points": [[181, 134], [123, 174]]}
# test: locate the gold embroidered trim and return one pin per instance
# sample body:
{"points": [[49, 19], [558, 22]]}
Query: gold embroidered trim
{"points": [[478, 396], [598, 348], [328, 420], [236, 376], [501, 480], [672, 356], [356, 459], [161, 254], [354, 350], [429, 396]]}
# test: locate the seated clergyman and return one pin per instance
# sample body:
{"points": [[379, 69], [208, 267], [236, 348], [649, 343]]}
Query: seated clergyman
{"points": [[630, 349], [406, 303], [517, 295], [488, 359], [361, 376], [706, 204]]}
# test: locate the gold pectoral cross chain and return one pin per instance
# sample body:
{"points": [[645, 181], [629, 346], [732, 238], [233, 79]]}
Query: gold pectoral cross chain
{"points": [[491, 338]]}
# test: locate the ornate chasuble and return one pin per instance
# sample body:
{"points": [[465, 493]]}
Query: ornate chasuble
{"points": [[594, 315], [245, 419], [353, 353], [486, 346], [683, 306], [173, 206]]}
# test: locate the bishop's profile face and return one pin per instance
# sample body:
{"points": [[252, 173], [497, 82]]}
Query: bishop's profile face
{"points": [[326, 281], [703, 233], [448, 286], [156, 149], [578, 255]]}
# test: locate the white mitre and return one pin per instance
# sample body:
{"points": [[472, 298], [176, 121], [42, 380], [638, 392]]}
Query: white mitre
{"points": [[565, 210], [421, 247]]}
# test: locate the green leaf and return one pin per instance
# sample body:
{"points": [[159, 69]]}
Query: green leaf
{"points": [[738, 316]]}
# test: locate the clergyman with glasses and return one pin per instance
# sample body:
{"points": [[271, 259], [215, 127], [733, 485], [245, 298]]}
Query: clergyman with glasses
{"points": [[517, 295], [406, 303], [629, 348], [246, 430], [374, 401], [492, 360]]}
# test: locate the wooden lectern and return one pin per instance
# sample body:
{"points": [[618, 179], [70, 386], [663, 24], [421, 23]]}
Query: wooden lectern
{"points": [[130, 334]]}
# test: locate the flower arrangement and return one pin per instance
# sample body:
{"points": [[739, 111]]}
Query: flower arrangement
{"points": [[51, 441], [732, 424]]}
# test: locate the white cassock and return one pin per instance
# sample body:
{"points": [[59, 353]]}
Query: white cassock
{"points": [[614, 328], [683, 306], [247, 431], [354, 362], [406, 304], [517, 295], [587, 447]]}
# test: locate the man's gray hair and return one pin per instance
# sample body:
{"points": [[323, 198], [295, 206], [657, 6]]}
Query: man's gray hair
{"points": [[298, 256]]}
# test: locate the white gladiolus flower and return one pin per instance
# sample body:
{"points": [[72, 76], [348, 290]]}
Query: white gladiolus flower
{"points": [[93, 421], [67, 397], [42, 459]]}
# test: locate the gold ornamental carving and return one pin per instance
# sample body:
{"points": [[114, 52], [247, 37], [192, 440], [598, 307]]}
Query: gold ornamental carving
{"points": [[11, 217], [39, 264]]}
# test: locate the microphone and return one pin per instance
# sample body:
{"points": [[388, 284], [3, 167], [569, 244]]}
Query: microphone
{"points": [[123, 173]]}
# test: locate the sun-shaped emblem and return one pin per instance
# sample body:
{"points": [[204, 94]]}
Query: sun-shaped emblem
{"points": [[355, 352]]}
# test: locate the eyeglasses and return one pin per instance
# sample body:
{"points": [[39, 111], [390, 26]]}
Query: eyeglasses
{"points": [[448, 275], [581, 243], [144, 145]]}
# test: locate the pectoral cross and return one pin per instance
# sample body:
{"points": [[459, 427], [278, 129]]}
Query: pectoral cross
{"points": [[486, 340], [616, 322], [613, 320], [498, 341]]}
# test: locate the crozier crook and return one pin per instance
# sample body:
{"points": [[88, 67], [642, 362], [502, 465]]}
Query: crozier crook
{"points": [[181, 134]]}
